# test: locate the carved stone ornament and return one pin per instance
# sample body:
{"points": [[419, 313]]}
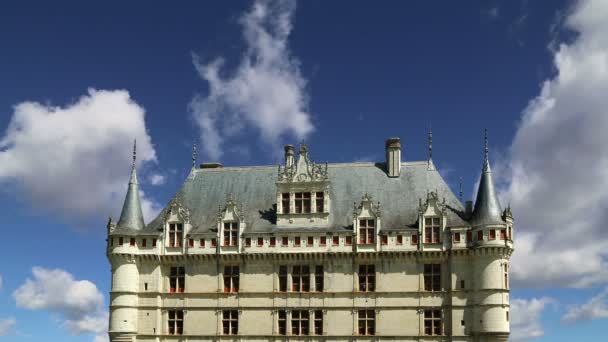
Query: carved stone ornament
{"points": [[304, 170], [230, 206], [367, 204], [175, 207]]}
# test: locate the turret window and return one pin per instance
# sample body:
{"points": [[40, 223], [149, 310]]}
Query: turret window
{"points": [[231, 233], [177, 279], [366, 231], [432, 322], [319, 201], [176, 322], [502, 234], [176, 231], [506, 271], [432, 229], [302, 202], [492, 234]]}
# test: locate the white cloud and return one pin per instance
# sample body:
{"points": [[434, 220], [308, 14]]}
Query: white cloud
{"points": [[157, 179], [78, 302], [525, 318], [6, 325], [75, 160], [595, 308], [266, 92], [559, 166]]}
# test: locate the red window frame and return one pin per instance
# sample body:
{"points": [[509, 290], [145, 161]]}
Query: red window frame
{"points": [[231, 233], [432, 230], [273, 241], [231, 278], [457, 237], [322, 241], [502, 234], [213, 243], [260, 242], [297, 241], [384, 240], [335, 240], [201, 243]]}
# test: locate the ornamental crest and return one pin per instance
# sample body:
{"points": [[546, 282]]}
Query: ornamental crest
{"points": [[367, 207], [304, 170], [230, 211], [176, 208]]}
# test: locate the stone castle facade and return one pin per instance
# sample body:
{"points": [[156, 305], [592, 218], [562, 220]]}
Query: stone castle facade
{"points": [[310, 252]]}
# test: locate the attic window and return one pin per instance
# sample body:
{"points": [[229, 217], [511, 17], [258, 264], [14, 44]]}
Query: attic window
{"points": [[285, 202], [302, 202], [319, 201], [432, 229], [366, 231], [132, 242], [176, 231], [231, 233]]}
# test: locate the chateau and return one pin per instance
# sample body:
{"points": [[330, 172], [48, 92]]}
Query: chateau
{"points": [[313, 252]]}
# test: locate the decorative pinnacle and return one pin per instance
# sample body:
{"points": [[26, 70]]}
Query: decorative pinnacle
{"points": [[430, 143], [134, 152], [194, 156], [485, 148], [460, 190]]}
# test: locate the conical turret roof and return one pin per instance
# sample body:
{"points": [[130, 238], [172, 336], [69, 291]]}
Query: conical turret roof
{"points": [[487, 207], [131, 215]]}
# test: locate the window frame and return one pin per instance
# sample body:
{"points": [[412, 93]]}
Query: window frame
{"points": [[367, 233], [175, 322], [177, 277], [231, 277], [300, 278], [231, 234], [367, 277], [432, 229], [285, 202], [319, 201], [366, 322], [432, 277], [176, 234], [230, 322], [433, 322], [300, 322], [319, 278]]}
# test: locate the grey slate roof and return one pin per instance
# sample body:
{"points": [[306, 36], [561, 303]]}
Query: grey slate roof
{"points": [[254, 190], [131, 216], [487, 209]]}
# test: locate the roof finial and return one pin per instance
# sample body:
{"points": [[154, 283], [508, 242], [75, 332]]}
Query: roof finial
{"points": [[430, 142], [485, 148], [194, 156], [460, 189], [134, 153]]}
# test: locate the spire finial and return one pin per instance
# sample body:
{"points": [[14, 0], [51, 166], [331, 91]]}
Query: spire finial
{"points": [[460, 189], [134, 152], [194, 156], [430, 142], [485, 147]]}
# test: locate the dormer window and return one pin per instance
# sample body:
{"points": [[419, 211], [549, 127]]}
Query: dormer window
{"points": [[432, 229], [176, 231], [366, 231], [231, 233], [285, 202], [319, 201], [302, 202]]}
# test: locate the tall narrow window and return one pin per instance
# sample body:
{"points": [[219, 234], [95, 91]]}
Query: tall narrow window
{"points": [[285, 202], [506, 271], [348, 241], [367, 322], [432, 277], [284, 241], [318, 326], [248, 242], [273, 241], [432, 322], [177, 279], [176, 322], [322, 241], [302, 202], [231, 233], [153, 242], [260, 242], [469, 236], [282, 322], [502, 234], [366, 231], [492, 234], [399, 239], [335, 240], [283, 278], [479, 235], [510, 233], [296, 241], [201, 243], [367, 278], [384, 239], [319, 278], [456, 237], [190, 242], [213, 243], [299, 322], [300, 278], [144, 243], [230, 322], [120, 241], [432, 230], [319, 201], [231, 279], [176, 231], [132, 242], [310, 242], [414, 239]]}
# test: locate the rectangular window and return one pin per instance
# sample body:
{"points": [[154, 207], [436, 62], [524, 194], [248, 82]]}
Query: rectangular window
{"points": [[367, 322], [230, 322], [120, 241], [348, 241], [177, 279], [283, 278], [318, 326], [310, 241], [273, 241], [132, 242], [176, 231], [456, 237], [153, 242], [432, 277], [492, 234], [384, 240], [510, 233], [319, 278], [506, 270], [322, 241], [231, 233], [367, 278], [176, 322], [260, 242], [432, 322], [480, 235], [231, 279], [190, 242], [299, 322], [297, 241], [462, 284], [201, 243], [400, 239], [144, 243], [507, 312], [335, 240], [319, 202], [366, 231], [300, 279], [284, 241], [502, 234], [285, 202], [432, 230], [248, 242], [469, 236], [282, 322], [213, 242], [302, 202], [414, 239]]}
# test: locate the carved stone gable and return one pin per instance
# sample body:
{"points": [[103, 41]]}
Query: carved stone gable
{"points": [[230, 211], [177, 210], [304, 170], [367, 208]]}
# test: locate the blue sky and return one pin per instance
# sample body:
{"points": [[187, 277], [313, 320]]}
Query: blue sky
{"points": [[78, 82]]}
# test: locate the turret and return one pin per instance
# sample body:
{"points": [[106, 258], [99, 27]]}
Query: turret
{"points": [[487, 209], [131, 215]]}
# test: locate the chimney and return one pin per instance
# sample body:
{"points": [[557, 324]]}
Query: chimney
{"points": [[211, 166], [393, 157], [289, 155]]}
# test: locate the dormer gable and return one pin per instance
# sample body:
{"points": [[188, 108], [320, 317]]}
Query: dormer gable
{"points": [[432, 219], [230, 224], [367, 221], [176, 218]]}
